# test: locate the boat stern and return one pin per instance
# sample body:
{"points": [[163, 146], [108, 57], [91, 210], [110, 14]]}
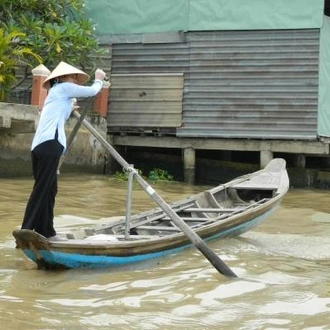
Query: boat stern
{"points": [[35, 247]]}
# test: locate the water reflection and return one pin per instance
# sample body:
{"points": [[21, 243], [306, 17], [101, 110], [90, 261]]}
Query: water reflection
{"points": [[283, 268]]}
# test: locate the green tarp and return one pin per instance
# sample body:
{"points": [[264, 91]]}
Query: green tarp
{"points": [[150, 16]]}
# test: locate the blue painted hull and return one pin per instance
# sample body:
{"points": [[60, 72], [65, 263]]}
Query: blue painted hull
{"points": [[56, 259]]}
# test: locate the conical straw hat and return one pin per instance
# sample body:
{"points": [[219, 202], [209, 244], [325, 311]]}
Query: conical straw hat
{"points": [[64, 69]]}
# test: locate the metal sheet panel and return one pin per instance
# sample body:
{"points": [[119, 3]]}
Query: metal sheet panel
{"points": [[150, 58], [237, 84], [252, 84]]}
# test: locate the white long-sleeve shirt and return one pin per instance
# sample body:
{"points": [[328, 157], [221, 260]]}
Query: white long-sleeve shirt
{"points": [[57, 109]]}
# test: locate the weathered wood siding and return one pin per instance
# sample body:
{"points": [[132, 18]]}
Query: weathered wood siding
{"points": [[145, 101]]}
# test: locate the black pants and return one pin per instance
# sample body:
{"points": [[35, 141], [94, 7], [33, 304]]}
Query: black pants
{"points": [[39, 213]]}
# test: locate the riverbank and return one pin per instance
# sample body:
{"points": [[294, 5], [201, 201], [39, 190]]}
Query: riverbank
{"points": [[208, 172]]}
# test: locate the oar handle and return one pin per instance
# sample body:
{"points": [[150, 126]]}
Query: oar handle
{"points": [[193, 237]]}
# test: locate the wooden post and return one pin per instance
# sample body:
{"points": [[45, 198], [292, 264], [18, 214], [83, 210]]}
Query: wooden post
{"points": [[102, 99], [39, 93]]}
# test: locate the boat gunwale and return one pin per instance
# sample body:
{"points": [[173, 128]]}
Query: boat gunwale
{"points": [[177, 238]]}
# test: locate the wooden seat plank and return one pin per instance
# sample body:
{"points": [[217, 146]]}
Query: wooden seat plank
{"points": [[162, 228], [209, 210], [189, 219]]}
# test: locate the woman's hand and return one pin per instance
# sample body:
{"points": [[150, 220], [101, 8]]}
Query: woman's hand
{"points": [[99, 74]]}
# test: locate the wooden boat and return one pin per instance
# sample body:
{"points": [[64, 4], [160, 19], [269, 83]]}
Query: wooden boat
{"points": [[227, 210]]}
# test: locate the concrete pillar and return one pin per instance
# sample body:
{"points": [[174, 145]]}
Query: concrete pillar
{"points": [[300, 161], [189, 164], [265, 157], [39, 93], [102, 99]]}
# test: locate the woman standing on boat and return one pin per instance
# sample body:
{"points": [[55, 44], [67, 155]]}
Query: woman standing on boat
{"points": [[49, 143]]}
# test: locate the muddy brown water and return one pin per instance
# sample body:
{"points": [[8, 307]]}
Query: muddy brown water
{"points": [[283, 268]]}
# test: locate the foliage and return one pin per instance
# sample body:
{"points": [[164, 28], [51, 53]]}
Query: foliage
{"points": [[13, 52], [157, 174], [54, 29], [123, 175]]}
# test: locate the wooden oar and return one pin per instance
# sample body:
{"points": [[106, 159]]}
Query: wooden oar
{"points": [[219, 265]]}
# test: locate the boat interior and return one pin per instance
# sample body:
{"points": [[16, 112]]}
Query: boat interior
{"points": [[209, 207]]}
